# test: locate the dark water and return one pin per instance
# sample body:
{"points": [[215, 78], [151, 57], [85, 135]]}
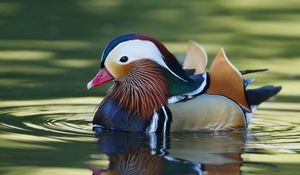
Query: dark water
{"points": [[55, 137]]}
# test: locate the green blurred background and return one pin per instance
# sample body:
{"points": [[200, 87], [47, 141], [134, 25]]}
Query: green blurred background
{"points": [[51, 48]]}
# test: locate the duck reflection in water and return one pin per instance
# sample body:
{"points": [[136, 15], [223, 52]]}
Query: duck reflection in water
{"points": [[174, 154]]}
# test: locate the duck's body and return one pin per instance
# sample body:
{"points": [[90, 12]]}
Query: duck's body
{"points": [[216, 112], [153, 93]]}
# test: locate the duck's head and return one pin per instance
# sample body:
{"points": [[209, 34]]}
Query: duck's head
{"points": [[145, 73], [123, 53]]}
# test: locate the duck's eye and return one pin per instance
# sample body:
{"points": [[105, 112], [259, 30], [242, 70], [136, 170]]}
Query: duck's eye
{"points": [[124, 59]]}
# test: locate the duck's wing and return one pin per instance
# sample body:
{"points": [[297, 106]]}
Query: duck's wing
{"points": [[196, 59], [226, 80]]}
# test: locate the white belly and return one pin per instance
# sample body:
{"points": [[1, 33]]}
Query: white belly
{"points": [[206, 112]]}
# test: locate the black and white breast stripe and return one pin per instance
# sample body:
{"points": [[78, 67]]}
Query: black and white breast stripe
{"points": [[160, 121]]}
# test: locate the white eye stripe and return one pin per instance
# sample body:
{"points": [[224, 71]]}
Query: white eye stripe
{"points": [[136, 50]]}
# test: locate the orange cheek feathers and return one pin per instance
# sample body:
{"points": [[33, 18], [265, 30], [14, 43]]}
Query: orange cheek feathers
{"points": [[120, 71]]}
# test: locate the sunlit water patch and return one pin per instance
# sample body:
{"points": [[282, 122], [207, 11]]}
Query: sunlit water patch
{"points": [[275, 147], [55, 137]]}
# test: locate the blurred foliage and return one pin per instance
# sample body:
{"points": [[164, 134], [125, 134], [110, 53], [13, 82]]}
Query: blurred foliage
{"points": [[51, 49]]}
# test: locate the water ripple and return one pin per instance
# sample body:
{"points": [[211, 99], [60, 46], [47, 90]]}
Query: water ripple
{"points": [[49, 119]]}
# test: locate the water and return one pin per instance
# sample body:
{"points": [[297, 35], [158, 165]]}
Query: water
{"points": [[55, 137], [54, 55]]}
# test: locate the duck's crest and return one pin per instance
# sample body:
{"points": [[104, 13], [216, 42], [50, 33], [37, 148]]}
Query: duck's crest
{"points": [[113, 43]]}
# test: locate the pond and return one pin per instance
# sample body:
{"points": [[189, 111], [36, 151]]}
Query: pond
{"points": [[50, 49], [55, 137]]}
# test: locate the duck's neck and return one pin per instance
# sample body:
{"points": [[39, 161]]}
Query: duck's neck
{"points": [[178, 85], [143, 91]]}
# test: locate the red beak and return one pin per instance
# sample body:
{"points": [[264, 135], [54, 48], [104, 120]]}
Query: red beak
{"points": [[97, 171], [103, 76]]}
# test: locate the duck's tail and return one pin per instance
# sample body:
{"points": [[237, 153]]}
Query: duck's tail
{"points": [[249, 71], [259, 95]]}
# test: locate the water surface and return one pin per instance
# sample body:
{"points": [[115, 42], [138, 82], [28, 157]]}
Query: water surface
{"points": [[49, 50], [55, 137]]}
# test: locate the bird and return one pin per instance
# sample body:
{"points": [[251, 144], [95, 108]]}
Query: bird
{"points": [[153, 92]]}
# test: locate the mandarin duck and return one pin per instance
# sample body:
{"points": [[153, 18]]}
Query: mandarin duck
{"points": [[153, 92]]}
